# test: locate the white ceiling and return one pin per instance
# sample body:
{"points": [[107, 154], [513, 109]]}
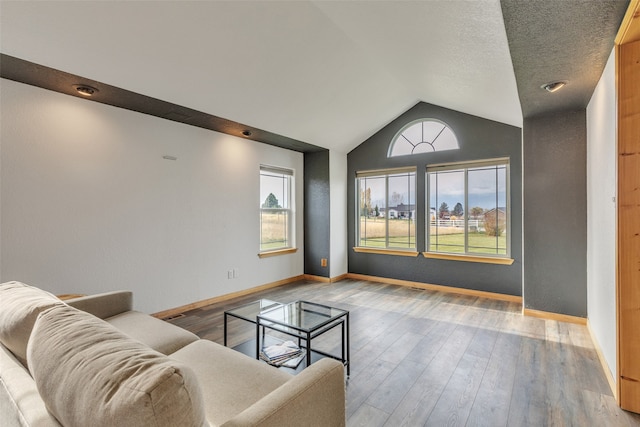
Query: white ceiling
{"points": [[326, 73]]}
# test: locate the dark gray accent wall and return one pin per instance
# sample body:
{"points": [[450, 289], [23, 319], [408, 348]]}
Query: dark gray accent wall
{"points": [[316, 213], [555, 213], [479, 139]]}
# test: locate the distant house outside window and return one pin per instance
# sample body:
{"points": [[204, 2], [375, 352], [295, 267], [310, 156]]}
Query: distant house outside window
{"points": [[469, 208], [423, 136], [386, 209], [276, 214]]}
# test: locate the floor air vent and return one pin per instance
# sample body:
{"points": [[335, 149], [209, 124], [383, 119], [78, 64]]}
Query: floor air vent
{"points": [[175, 316]]}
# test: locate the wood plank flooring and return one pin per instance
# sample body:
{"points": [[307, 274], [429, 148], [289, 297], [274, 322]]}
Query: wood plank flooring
{"points": [[425, 358]]}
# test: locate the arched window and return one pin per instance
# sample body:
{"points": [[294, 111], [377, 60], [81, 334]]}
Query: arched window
{"points": [[423, 136]]}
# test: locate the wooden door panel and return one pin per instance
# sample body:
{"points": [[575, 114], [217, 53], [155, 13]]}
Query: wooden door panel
{"points": [[629, 225]]}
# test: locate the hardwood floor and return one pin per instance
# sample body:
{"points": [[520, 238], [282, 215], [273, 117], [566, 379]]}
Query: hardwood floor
{"points": [[430, 358]]}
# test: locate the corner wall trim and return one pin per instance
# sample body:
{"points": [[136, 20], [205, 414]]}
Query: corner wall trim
{"points": [[340, 277], [554, 316], [225, 297], [317, 278], [440, 288], [325, 279], [603, 362]]}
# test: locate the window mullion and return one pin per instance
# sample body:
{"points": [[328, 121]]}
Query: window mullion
{"points": [[427, 214], [359, 211], [287, 186], [409, 207], [360, 206], [284, 202], [497, 215], [436, 207], [466, 208], [507, 186], [386, 191]]}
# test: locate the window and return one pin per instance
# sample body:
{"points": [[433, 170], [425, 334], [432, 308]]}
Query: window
{"points": [[423, 136], [386, 210], [276, 215], [468, 208]]}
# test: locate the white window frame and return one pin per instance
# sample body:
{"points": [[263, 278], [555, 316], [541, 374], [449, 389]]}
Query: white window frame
{"points": [[465, 166], [423, 141], [385, 173], [287, 176]]}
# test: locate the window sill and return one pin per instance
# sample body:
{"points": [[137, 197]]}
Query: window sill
{"points": [[277, 252], [385, 251], [469, 258]]}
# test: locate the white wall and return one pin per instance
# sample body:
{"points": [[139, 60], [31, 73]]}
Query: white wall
{"points": [[90, 205], [601, 213], [338, 214], [0, 189]]}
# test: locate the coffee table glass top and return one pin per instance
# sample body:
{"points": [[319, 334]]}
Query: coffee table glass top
{"points": [[302, 315], [251, 310]]}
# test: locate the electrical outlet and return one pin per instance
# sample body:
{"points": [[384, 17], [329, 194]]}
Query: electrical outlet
{"points": [[236, 273], [323, 262], [230, 274]]}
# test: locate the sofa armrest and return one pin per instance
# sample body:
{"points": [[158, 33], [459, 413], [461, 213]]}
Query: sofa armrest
{"points": [[104, 305], [314, 397]]}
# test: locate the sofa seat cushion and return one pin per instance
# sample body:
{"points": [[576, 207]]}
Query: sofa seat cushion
{"points": [[157, 334], [90, 374], [20, 305], [230, 381]]}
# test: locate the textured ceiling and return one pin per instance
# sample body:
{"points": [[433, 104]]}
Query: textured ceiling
{"points": [[560, 41], [326, 73]]}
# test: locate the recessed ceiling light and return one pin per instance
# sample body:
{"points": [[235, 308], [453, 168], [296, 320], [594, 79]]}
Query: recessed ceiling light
{"points": [[553, 86], [85, 90], [246, 132]]}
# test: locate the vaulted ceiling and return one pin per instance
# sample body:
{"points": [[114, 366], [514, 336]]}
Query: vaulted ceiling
{"points": [[329, 74]]}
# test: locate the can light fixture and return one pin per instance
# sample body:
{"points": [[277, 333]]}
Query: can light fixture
{"points": [[86, 90], [553, 86]]}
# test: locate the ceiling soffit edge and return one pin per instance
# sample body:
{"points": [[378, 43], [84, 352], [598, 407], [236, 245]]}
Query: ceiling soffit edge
{"points": [[30, 73]]}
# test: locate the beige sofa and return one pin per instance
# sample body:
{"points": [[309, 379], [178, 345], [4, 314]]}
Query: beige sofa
{"points": [[93, 361]]}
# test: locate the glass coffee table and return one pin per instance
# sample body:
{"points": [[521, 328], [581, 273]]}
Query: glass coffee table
{"points": [[305, 321], [248, 312]]}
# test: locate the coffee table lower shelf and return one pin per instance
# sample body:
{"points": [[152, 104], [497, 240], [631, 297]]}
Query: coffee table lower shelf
{"points": [[249, 348]]}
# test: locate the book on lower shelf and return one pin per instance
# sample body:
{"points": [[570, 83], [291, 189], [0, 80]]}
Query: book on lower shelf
{"points": [[286, 353]]}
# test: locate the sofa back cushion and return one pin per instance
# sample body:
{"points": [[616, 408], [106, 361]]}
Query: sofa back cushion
{"points": [[20, 305], [89, 373]]}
